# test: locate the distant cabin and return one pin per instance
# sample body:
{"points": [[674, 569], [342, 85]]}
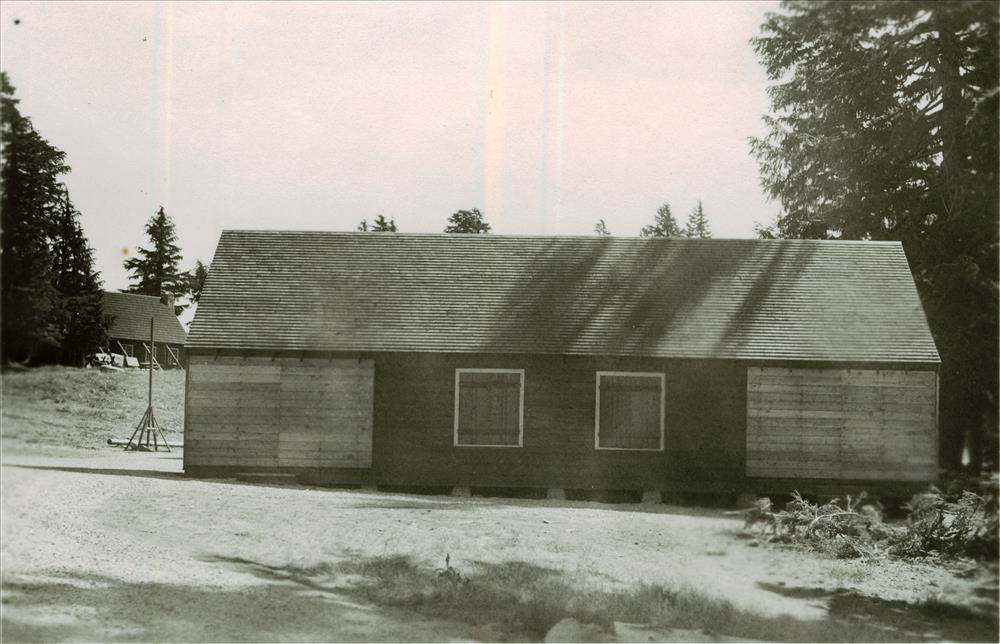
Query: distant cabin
{"points": [[489, 361], [128, 330]]}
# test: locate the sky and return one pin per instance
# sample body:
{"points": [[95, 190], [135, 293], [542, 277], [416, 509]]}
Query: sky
{"points": [[314, 116]]}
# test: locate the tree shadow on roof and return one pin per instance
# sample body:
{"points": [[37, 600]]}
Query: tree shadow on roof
{"points": [[643, 296]]}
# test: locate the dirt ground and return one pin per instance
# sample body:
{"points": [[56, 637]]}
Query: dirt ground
{"points": [[102, 545]]}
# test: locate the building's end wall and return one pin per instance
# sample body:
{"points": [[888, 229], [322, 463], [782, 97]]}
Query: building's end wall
{"points": [[843, 424], [168, 359], [259, 413]]}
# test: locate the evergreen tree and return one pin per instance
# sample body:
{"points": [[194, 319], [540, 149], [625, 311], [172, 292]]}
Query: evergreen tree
{"points": [[467, 221], [380, 225], [383, 226], [697, 224], [32, 306], [83, 326], [601, 229], [664, 226], [883, 126], [154, 270], [196, 280]]}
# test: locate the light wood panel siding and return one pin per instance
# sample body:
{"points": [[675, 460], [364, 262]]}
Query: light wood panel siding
{"points": [[285, 412], [841, 424]]}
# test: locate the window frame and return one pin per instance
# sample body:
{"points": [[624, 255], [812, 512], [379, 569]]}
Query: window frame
{"points": [[520, 416], [597, 409]]}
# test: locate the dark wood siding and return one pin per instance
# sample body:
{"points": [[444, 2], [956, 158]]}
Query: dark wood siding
{"points": [[705, 412]]}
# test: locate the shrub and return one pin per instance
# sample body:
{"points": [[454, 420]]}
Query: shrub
{"points": [[848, 528], [957, 523]]}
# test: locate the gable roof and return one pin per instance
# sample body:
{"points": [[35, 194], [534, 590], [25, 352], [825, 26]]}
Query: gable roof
{"points": [[130, 318], [692, 298]]}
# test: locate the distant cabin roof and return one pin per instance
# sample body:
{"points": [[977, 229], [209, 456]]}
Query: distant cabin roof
{"points": [[687, 298], [131, 314]]}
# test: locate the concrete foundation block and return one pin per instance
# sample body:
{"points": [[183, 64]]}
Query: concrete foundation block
{"points": [[556, 493], [652, 497], [461, 491]]}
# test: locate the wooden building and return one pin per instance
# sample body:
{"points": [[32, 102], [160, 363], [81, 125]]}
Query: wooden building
{"points": [[562, 362], [129, 314]]}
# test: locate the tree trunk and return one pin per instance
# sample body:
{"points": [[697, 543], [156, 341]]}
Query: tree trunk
{"points": [[952, 112]]}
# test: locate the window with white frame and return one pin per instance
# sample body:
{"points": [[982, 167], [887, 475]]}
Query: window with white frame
{"points": [[489, 407], [629, 413], [128, 349]]}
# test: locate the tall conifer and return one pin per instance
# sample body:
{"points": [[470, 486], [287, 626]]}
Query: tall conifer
{"points": [[155, 269], [32, 305]]}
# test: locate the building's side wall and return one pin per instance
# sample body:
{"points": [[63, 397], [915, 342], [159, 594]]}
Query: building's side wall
{"points": [[704, 418], [841, 424], [243, 413], [163, 356], [282, 412]]}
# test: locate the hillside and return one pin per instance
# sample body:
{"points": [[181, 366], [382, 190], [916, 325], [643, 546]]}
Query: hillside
{"points": [[84, 407]]}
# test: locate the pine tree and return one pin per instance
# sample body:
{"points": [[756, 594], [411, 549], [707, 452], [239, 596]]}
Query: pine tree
{"points": [[32, 306], [601, 229], [883, 126], [664, 226], [84, 328], [697, 224], [467, 221], [155, 270], [196, 280], [380, 225]]}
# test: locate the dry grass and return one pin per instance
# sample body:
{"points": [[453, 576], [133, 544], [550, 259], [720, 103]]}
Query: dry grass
{"points": [[84, 407], [522, 602]]}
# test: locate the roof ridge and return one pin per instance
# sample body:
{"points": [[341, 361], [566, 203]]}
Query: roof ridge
{"points": [[155, 297], [596, 238]]}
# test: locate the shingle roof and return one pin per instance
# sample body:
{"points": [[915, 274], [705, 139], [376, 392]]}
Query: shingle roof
{"points": [[747, 299], [130, 318]]}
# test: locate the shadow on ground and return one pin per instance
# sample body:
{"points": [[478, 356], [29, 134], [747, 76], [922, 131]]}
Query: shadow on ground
{"points": [[517, 601], [140, 473], [933, 620], [394, 599], [95, 608]]}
